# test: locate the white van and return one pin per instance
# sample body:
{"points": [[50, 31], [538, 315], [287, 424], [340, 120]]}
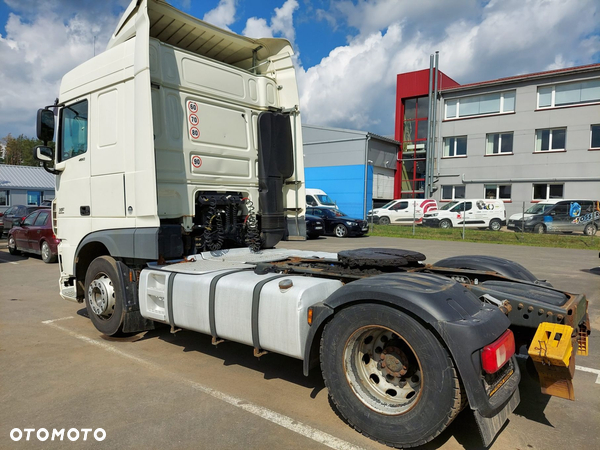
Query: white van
{"points": [[471, 213], [317, 197], [401, 211]]}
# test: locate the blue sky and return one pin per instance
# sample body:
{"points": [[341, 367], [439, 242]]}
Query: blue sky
{"points": [[348, 51]]}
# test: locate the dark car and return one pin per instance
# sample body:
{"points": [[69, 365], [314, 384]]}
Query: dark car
{"points": [[34, 235], [338, 223], [314, 226], [16, 212]]}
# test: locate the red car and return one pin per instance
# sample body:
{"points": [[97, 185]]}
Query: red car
{"points": [[34, 235]]}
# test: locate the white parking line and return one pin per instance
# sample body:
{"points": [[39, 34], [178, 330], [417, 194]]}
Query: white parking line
{"points": [[56, 320], [580, 368], [279, 419]]}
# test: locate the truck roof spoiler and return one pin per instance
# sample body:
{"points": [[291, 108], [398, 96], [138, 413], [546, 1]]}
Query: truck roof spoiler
{"points": [[174, 27]]}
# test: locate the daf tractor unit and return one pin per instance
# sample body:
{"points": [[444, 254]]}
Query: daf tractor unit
{"points": [[179, 168]]}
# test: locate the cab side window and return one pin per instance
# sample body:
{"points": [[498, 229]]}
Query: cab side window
{"points": [[73, 130], [41, 219], [310, 200]]}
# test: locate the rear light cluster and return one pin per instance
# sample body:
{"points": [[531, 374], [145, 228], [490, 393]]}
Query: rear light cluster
{"points": [[495, 355]]}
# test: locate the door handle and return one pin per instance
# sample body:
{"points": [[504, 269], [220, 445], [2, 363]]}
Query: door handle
{"points": [[84, 210]]}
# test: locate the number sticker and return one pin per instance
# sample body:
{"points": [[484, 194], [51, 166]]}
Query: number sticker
{"points": [[196, 161], [193, 107], [194, 133], [194, 119]]}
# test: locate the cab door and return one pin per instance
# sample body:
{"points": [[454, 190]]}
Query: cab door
{"points": [[73, 203], [399, 212]]}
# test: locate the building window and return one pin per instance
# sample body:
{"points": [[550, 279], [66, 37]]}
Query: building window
{"points": [[481, 105], [567, 94], [455, 146], [548, 191], [550, 139], [498, 143], [595, 138], [453, 192], [3, 198], [497, 191], [414, 146], [34, 198]]}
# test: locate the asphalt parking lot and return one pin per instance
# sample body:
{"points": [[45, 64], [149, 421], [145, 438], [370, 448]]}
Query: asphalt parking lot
{"points": [[158, 390]]}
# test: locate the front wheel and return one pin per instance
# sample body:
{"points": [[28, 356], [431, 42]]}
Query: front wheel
{"points": [[12, 246], [539, 228], [590, 229], [388, 376], [104, 296], [495, 225], [445, 224], [340, 231], [384, 221]]}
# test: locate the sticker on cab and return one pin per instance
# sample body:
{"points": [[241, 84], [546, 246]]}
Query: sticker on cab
{"points": [[193, 119], [196, 161]]}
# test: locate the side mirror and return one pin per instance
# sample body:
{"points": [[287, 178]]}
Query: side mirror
{"points": [[43, 153], [45, 125]]}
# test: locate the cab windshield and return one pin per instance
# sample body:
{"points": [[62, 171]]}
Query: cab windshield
{"points": [[540, 208], [388, 204], [334, 213], [325, 200], [448, 206]]}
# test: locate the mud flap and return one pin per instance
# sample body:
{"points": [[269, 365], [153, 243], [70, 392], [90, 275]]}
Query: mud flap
{"points": [[489, 427]]}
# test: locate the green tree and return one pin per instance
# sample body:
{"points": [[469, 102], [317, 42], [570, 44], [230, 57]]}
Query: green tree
{"points": [[19, 150]]}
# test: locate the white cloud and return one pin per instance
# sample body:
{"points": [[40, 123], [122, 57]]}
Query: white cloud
{"points": [[354, 86], [39, 47], [223, 15], [282, 23]]}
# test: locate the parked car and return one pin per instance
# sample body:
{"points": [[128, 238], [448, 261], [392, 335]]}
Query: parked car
{"points": [[16, 212], [338, 223], [559, 216], [34, 235], [471, 213], [402, 211], [314, 226], [317, 197]]}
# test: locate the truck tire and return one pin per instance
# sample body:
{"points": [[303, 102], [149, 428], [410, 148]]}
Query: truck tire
{"points": [[445, 224], [384, 220], [104, 296], [495, 224], [340, 231], [389, 377]]}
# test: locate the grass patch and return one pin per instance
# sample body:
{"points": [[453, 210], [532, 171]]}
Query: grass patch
{"points": [[576, 241]]}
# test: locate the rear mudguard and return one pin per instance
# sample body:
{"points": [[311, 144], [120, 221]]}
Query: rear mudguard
{"points": [[462, 322]]}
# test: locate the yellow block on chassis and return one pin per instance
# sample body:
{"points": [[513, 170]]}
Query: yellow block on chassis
{"points": [[552, 353]]}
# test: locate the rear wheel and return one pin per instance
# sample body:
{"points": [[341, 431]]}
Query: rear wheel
{"points": [[445, 224], [495, 225], [12, 246], [384, 221], [590, 229], [47, 255], [539, 228], [104, 296], [340, 231], [388, 376]]}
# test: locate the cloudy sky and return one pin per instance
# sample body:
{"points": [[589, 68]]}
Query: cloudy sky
{"points": [[349, 51]]}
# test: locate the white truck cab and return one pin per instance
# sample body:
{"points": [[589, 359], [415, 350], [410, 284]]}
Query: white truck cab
{"points": [[471, 213]]}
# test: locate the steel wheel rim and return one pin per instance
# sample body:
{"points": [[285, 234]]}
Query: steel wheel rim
{"points": [[45, 251], [101, 296], [383, 370]]}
